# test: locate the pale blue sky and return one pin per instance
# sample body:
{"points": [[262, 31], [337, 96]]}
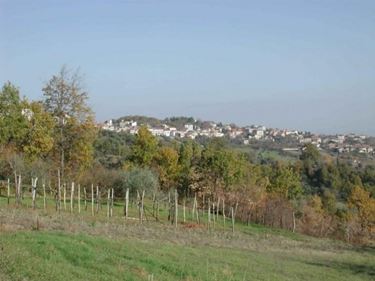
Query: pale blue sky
{"points": [[288, 64]]}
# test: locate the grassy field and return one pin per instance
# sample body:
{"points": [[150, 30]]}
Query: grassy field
{"points": [[45, 245]]}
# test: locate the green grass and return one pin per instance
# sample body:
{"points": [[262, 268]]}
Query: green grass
{"points": [[44, 245], [58, 256]]}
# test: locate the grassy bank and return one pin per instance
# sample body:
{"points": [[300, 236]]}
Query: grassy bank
{"points": [[36, 245]]}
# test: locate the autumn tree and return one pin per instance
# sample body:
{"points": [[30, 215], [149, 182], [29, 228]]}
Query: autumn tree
{"points": [[144, 149], [38, 141], [167, 166], [66, 100], [362, 208], [188, 159]]}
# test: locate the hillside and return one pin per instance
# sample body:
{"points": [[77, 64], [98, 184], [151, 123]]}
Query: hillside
{"points": [[43, 245]]}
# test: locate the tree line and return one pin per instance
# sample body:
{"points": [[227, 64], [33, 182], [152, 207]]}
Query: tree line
{"points": [[56, 139]]}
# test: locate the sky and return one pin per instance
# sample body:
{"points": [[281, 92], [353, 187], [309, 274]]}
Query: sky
{"points": [[307, 65]]}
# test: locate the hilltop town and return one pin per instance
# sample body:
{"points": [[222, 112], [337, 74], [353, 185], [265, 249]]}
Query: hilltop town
{"points": [[285, 139]]}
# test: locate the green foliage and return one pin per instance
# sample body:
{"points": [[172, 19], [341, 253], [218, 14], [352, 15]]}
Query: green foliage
{"points": [[311, 160], [37, 138], [112, 149], [221, 167], [139, 179], [167, 166], [38, 141], [284, 181], [145, 148], [13, 124]]}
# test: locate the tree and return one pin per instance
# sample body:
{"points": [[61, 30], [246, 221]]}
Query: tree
{"points": [[38, 141], [13, 125], [167, 166], [144, 148], [285, 181], [139, 179], [363, 208], [311, 159], [66, 100], [220, 167]]}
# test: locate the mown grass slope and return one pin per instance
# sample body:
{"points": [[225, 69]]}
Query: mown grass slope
{"points": [[58, 256], [44, 245]]}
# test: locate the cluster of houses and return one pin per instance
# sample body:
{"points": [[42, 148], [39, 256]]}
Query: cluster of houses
{"points": [[292, 139], [348, 143], [188, 131]]}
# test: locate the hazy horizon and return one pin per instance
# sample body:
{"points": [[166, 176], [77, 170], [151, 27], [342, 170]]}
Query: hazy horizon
{"points": [[305, 65]]}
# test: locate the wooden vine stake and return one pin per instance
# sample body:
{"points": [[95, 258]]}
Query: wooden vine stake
{"points": [[8, 193], [184, 210], [217, 209], [20, 188], [108, 202], [157, 210], [79, 198], [92, 199], [16, 187], [142, 205], [97, 199], [139, 205], [194, 206], [213, 214], [18, 181], [197, 210], [175, 208], [209, 214], [58, 190], [112, 196], [85, 195], [33, 190], [232, 211], [64, 190], [223, 212], [71, 197], [126, 207], [44, 197], [153, 203]]}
